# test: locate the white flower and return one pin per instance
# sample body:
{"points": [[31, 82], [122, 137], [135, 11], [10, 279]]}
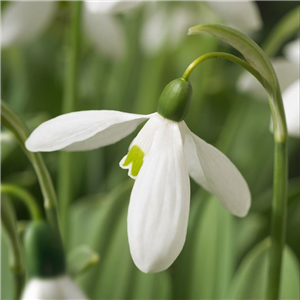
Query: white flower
{"points": [[242, 15], [165, 26], [23, 21], [287, 70], [105, 31], [61, 287], [160, 158]]}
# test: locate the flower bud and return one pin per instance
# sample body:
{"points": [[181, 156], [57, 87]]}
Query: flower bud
{"points": [[43, 251], [175, 100]]}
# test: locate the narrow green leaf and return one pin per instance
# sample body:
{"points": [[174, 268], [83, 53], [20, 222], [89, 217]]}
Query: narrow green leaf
{"points": [[283, 30], [205, 267], [250, 281], [7, 284], [81, 259]]}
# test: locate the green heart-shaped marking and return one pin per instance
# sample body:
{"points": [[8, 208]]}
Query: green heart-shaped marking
{"points": [[135, 157]]}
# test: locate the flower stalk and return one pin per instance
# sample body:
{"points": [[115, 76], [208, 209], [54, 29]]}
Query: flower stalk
{"points": [[19, 129], [66, 164], [23, 195], [17, 265], [258, 59]]}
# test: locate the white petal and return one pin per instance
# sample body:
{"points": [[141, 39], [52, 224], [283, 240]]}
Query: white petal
{"points": [[54, 288], [159, 204], [221, 177], [111, 7], [106, 33], [193, 163], [291, 106], [292, 51], [243, 15], [144, 140], [84, 130], [286, 71], [23, 21]]}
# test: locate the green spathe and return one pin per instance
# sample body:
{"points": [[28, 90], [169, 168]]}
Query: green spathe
{"points": [[175, 100], [43, 250]]}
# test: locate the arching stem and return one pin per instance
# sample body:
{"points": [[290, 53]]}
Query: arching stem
{"points": [[223, 55], [24, 196]]}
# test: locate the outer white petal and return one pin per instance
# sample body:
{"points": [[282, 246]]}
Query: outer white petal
{"points": [[193, 163], [243, 15], [55, 288], [221, 177], [292, 110], [111, 7], [106, 33], [84, 130], [159, 204], [23, 21], [292, 51], [286, 71]]}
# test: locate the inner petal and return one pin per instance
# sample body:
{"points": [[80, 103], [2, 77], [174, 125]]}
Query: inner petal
{"points": [[141, 145]]}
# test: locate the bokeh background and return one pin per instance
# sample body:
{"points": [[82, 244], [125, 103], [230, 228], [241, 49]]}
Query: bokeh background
{"points": [[124, 65]]}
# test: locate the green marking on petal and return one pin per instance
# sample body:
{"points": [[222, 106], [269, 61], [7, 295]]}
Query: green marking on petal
{"points": [[136, 158]]}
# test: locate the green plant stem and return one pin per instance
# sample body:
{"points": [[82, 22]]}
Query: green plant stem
{"points": [[223, 55], [16, 125], [23, 195], [17, 266], [65, 186], [278, 227]]}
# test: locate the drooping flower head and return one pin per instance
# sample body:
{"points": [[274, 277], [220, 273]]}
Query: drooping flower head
{"points": [[46, 266], [160, 159]]}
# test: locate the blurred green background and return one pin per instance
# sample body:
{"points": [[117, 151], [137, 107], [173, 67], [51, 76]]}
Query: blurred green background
{"points": [[224, 257]]}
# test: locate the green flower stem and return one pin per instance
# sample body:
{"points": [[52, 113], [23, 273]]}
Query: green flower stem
{"points": [[23, 195], [223, 55], [65, 187], [17, 265], [278, 227], [15, 124]]}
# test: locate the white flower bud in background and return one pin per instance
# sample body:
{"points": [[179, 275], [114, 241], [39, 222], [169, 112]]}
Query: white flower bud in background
{"points": [[61, 287], [23, 21], [287, 70]]}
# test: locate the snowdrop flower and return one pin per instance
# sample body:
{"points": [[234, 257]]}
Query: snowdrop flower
{"points": [[46, 266], [165, 25], [103, 28], [61, 287], [161, 158], [287, 70], [23, 21]]}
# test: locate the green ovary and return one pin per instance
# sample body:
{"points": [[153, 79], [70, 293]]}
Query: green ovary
{"points": [[135, 157]]}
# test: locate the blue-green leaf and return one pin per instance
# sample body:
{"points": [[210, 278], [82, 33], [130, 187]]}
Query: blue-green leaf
{"points": [[250, 281]]}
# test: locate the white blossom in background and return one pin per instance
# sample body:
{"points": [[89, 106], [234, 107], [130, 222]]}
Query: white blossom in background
{"points": [[23, 21], [59, 288], [242, 15], [287, 70], [161, 158], [166, 26], [103, 28]]}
